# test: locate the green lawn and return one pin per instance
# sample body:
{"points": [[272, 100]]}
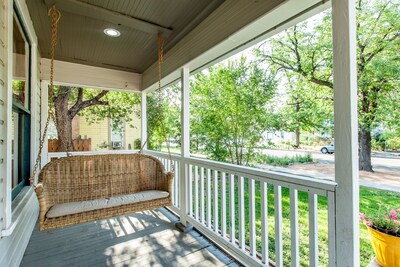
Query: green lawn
{"points": [[369, 199]]}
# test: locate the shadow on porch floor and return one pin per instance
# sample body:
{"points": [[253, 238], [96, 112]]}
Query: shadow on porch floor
{"points": [[142, 239]]}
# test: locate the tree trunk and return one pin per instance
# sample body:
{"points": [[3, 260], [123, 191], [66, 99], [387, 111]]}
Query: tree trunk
{"points": [[297, 138], [63, 120], [364, 150]]}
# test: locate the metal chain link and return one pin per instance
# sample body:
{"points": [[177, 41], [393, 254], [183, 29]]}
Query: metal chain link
{"points": [[55, 18]]}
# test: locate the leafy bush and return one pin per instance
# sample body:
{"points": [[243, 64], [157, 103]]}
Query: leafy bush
{"points": [[282, 161]]}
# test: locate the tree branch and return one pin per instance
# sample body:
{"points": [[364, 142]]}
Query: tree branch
{"points": [[79, 105]]}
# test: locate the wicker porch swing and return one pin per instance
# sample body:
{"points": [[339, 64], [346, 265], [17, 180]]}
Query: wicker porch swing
{"points": [[78, 189]]}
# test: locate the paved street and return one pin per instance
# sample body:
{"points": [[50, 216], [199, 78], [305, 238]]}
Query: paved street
{"points": [[379, 162]]}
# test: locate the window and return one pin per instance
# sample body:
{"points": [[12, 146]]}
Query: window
{"points": [[20, 109]]}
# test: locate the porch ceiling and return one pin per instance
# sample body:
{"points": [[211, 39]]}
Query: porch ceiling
{"points": [[81, 38]]}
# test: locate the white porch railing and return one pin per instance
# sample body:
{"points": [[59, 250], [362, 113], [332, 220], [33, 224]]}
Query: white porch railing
{"points": [[237, 207]]}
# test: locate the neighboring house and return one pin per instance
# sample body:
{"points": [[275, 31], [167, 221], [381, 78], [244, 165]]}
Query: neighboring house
{"points": [[104, 137]]}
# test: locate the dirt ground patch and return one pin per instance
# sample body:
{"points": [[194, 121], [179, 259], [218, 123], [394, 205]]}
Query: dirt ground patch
{"points": [[318, 169]]}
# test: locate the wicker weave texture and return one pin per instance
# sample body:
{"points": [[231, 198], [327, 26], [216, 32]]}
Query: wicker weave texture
{"points": [[80, 178]]}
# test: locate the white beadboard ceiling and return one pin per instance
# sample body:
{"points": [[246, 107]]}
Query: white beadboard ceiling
{"points": [[80, 31]]}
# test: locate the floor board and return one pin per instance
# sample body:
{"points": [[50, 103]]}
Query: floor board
{"points": [[148, 238]]}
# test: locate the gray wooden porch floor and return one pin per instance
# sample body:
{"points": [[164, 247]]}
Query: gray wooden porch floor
{"points": [[142, 239]]}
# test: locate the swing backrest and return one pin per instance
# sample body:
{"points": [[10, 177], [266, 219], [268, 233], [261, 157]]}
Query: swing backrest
{"points": [[80, 178]]}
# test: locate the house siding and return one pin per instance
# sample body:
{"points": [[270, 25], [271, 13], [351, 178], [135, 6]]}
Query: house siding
{"points": [[17, 217]]}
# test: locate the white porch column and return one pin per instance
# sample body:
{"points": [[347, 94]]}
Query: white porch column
{"points": [[185, 151], [346, 145], [44, 113], [143, 120]]}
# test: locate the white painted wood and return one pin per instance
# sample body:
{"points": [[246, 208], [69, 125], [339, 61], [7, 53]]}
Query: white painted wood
{"points": [[196, 192], [278, 226], [252, 217], [232, 207], [202, 215], [331, 228], [313, 228], [294, 228], [44, 106], [25, 212], [242, 233], [185, 113], [74, 74], [215, 189], [176, 183], [346, 127], [190, 190], [35, 109], [185, 186], [143, 119], [264, 222], [302, 183], [208, 192], [223, 205], [4, 121], [8, 67]]}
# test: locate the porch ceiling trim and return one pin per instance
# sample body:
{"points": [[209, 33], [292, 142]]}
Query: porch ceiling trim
{"points": [[74, 74], [225, 37]]}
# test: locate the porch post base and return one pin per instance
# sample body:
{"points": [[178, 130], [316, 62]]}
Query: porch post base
{"points": [[184, 228]]}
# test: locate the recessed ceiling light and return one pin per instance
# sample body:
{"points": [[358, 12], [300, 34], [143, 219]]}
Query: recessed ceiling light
{"points": [[112, 32]]}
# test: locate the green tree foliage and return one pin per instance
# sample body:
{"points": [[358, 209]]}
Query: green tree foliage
{"points": [[306, 50], [230, 111], [308, 108], [164, 117], [95, 105]]}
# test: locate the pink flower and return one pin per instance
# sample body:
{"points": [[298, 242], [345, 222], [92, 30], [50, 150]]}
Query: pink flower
{"points": [[395, 218], [387, 217], [393, 212], [398, 210], [362, 217]]}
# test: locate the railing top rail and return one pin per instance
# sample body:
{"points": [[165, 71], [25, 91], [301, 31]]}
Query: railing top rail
{"points": [[296, 179], [81, 153]]}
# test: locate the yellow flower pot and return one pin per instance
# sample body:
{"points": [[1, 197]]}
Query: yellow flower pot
{"points": [[386, 248]]}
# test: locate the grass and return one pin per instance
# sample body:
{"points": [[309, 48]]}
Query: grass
{"points": [[369, 199], [282, 161]]}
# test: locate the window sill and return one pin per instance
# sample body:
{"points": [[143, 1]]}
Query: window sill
{"points": [[18, 205]]}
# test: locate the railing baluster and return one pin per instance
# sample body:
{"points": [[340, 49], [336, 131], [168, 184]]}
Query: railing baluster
{"points": [[196, 192], [223, 204], [313, 228], [232, 206], [176, 183], [208, 198], [202, 195], [241, 213], [252, 217], [264, 222], [278, 225], [190, 189], [331, 228], [216, 201], [294, 227]]}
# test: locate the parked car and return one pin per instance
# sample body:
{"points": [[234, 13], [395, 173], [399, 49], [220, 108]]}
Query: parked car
{"points": [[328, 149]]}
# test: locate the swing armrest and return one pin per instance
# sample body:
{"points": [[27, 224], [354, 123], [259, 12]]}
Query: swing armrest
{"points": [[39, 189], [170, 178]]}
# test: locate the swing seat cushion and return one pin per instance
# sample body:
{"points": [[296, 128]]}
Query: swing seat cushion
{"points": [[78, 189], [102, 203]]}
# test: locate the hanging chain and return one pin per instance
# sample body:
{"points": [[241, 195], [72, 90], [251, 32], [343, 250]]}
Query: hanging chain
{"points": [[55, 18], [160, 109]]}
